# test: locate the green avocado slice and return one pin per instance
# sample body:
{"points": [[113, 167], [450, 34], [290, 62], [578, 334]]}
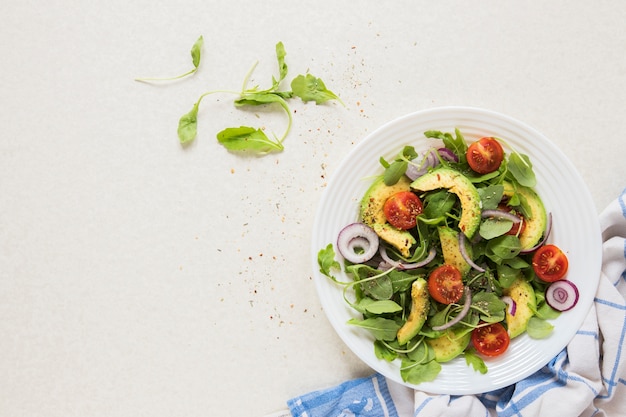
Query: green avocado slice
{"points": [[535, 218], [524, 296], [456, 183], [373, 215], [420, 304]]}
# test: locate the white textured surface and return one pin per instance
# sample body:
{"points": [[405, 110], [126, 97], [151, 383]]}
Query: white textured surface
{"points": [[140, 278]]}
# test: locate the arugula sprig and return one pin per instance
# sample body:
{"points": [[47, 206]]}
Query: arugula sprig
{"points": [[255, 140], [196, 53]]}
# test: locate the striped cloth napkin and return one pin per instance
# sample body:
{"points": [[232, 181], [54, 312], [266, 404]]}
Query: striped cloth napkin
{"points": [[588, 378]]}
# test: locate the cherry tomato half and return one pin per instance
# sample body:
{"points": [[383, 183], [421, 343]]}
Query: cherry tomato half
{"points": [[491, 340], [550, 263], [517, 228], [445, 284], [485, 155], [401, 210]]}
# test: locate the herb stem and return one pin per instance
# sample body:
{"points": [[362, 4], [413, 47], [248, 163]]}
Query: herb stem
{"points": [[148, 79]]}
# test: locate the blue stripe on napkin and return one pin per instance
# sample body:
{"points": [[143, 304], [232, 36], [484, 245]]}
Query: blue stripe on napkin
{"points": [[363, 397]]}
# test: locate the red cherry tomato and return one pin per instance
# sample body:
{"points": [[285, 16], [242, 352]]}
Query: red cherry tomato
{"points": [[491, 340], [401, 210], [550, 263], [445, 284], [485, 155]]}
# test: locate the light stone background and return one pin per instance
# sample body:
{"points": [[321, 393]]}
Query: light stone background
{"points": [[140, 278]]}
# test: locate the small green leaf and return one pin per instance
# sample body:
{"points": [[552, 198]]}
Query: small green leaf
{"points": [[539, 328], [326, 261], [247, 139], [491, 228], [196, 51], [382, 306], [188, 125], [416, 373], [522, 169], [491, 196], [381, 328], [394, 172], [472, 359], [382, 351], [282, 66], [310, 88]]}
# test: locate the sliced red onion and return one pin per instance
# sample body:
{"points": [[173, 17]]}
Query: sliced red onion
{"points": [[562, 295], [357, 243], [501, 214], [429, 161], [466, 307], [404, 265], [466, 256], [545, 236], [512, 305], [448, 155]]}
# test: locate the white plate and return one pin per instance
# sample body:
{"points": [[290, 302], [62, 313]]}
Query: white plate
{"points": [[575, 230]]}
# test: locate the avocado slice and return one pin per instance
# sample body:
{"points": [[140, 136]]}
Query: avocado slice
{"points": [[420, 304], [449, 345], [373, 215], [456, 183], [449, 239], [536, 220], [524, 296]]}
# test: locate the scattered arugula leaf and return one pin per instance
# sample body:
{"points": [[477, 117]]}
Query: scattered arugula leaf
{"points": [[246, 138], [196, 54], [310, 88], [249, 139]]}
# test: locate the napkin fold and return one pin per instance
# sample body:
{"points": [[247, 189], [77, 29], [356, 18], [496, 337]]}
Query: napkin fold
{"points": [[587, 378]]}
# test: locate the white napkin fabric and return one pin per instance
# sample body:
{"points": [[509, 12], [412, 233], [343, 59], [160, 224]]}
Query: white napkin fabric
{"points": [[588, 378]]}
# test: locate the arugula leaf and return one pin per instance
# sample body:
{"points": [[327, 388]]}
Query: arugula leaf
{"points": [[538, 328], [378, 306], [490, 228], [396, 169], [310, 88], [188, 125], [382, 351], [246, 138], [394, 172], [490, 196], [416, 373], [282, 66], [472, 359], [522, 169], [381, 328], [326, 261], [196, 53]]}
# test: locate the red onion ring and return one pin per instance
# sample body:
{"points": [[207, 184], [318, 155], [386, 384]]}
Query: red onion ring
{"points": [[448, 155], [404, 265], [466, 256], [357, 236], [466, 307], [562, 295], [512, 305], [501, 214]]}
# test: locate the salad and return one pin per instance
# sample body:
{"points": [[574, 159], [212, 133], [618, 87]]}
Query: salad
{"points": [[450, 256]]}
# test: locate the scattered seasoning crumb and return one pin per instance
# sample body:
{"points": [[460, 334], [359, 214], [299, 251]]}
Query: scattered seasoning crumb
{"points": [[232, 170]]}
